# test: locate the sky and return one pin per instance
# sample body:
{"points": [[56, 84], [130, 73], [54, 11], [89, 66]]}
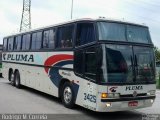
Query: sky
{"points": [[49, 12]]}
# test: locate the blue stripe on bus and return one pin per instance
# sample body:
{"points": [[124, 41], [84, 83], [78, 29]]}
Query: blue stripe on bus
{"points": [[56, 77], [54, 72]]}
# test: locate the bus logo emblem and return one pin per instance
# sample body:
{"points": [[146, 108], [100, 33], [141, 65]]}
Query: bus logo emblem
{"points": [[113, 89], [134, 94]]}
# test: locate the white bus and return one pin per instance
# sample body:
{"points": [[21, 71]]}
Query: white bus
{"points": [[102, 65]]}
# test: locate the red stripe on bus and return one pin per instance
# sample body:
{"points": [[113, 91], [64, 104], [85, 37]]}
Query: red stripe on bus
{"points": [[56, 58]]}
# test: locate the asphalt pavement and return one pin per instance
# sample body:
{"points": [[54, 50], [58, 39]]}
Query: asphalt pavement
{"points": [[30, 101]]}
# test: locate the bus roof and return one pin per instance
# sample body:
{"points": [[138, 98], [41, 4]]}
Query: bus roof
{"points": [[79, 20]]}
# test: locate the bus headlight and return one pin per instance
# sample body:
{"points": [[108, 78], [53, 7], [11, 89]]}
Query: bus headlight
{"points": [[116, 95], [151, 92], [113, 95], [110, 95]]}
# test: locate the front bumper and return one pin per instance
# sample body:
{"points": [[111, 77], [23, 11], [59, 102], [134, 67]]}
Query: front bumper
{"points": [[122, 104], [128, 99]]}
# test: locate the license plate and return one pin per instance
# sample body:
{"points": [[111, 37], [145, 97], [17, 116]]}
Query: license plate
{"points": [[133, 103]]}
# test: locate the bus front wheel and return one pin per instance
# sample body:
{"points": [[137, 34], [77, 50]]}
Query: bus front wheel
{"points": [[68, 97]]}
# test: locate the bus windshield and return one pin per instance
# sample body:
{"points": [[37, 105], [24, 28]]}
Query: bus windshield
{"points": [[128, 64], [123, 32]]}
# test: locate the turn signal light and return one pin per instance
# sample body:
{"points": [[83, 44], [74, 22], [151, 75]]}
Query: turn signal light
{"points": [[110, 95], [152, 100], [104, 95]]}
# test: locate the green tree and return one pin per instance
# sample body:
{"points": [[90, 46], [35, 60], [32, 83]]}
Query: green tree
{"points": [[157, 53]]}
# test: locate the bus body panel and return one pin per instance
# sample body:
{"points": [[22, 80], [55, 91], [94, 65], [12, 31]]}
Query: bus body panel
{"points": [[86, 91], [40, 79], [32, 69]]}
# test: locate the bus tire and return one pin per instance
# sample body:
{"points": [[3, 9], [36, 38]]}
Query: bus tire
{"points": [[68, 96], [11, 78], [17, 79], [1, 75], [10, 74]]}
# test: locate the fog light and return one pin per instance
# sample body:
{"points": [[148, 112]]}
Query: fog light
{"points": [[111, 95], [152, 100], [104, 95], [108, 104]]}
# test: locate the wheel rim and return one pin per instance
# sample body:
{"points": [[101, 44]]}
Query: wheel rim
{"points": [[67, 94], [12, 78], [16, 80]]}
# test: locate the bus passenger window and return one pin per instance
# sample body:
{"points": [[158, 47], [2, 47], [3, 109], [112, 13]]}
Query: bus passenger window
{"points": [[36, 41], [5, 44], [85, 33], [17, 44], [45, 39], [10, 44], [65, 37], [48, 39], [26, 42]]}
